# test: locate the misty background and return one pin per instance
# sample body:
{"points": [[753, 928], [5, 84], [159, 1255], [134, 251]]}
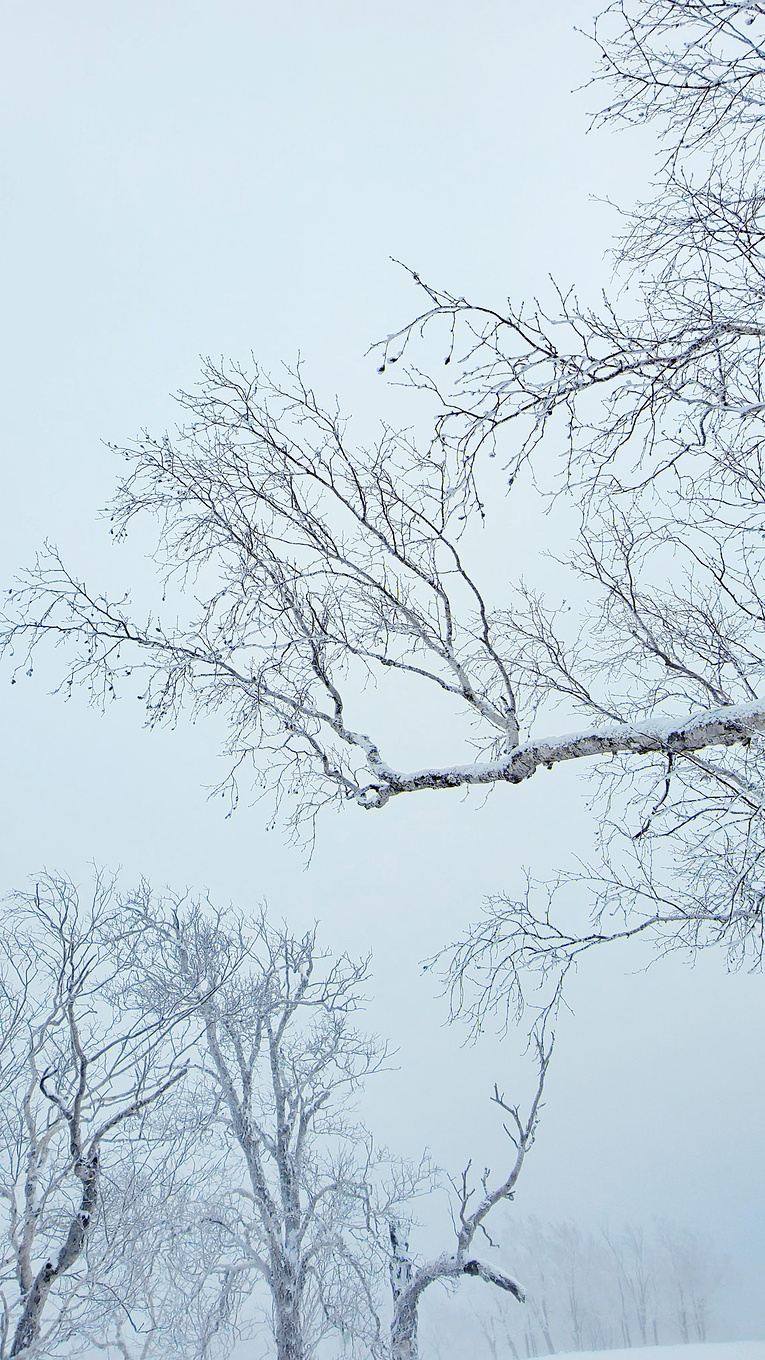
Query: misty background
{"points": [[182, 180]]}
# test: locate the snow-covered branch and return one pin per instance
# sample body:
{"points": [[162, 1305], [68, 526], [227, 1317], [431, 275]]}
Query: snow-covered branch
{"points": [[410, 1279]]}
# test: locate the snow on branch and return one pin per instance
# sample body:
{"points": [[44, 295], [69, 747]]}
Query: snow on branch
{"points": [[409, 1280], [316, 567]]}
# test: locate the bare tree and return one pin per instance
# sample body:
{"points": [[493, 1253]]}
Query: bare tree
{"points": [[520, 949], [80, 1068], [409, 1280], [593, 1290], [635, 1283], [282, 1054], [318, 562], [656, 396], [156, 1281], [696, 1275]]}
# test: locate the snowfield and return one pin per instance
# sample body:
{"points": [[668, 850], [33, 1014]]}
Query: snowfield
{"points": [[710, 1350]]}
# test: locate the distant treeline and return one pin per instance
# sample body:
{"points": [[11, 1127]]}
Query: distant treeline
{"points": [[596, 1290]]}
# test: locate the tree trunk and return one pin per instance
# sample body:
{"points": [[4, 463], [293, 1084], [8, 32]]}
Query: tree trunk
{"points": [[403, 1333], [289, 1339], [403, 1328], [288, 1330], [28, 1328]]}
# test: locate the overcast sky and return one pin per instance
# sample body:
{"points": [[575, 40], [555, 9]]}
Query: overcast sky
{"points": [[182, 179]]}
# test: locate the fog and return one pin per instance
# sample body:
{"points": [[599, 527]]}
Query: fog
{"points": [[181, 180]]}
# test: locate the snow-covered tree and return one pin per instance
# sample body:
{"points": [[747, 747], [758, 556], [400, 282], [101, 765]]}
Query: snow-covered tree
{"points": [[318, 561], [657, 397], [81, 1071], [178, 1298], [472, 1206], [308, 1192], [611, 1288]]}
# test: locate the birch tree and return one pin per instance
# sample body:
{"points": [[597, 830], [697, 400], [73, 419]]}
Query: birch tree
{"points": [[472, 1206], [302, 563], [656, 397], [283, 1056], [80, 1069], [326, 564]]}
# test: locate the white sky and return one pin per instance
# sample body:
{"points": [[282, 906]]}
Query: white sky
{"points": [[183, 179]]}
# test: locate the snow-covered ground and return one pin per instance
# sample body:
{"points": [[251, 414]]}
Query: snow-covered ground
{"points": [[710, 1350]]}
